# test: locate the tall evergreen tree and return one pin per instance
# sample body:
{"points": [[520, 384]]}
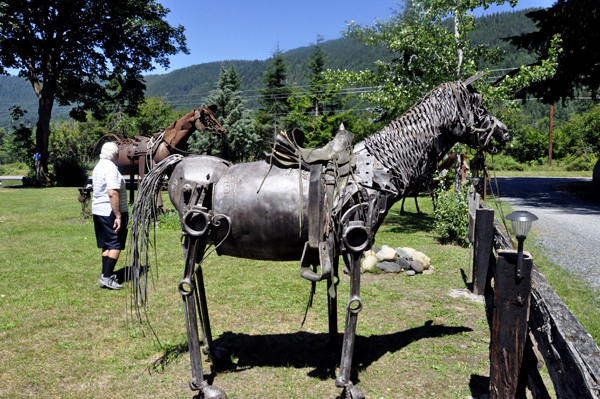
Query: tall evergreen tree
{"points": [[241, 142], [319, 110], [273, 98], [577, 21]]}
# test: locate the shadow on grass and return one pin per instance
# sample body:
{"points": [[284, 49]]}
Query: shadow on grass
{"points": [[304, 349], [124, 274], [479, 386], [409, 223]]}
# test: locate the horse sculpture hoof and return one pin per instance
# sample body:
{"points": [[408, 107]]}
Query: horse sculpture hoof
{"points": [[355, 392], [211, 392]]}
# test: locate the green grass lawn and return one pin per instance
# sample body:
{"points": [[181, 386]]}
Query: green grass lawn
{"points": [[63, 336]]}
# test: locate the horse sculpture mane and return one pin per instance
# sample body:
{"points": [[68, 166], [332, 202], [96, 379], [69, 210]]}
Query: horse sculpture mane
{"points": [[311, 205]]}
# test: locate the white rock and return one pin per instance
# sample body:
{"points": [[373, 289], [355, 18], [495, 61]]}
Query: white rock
{"points": [[387, 254], [369, 264], [370, 252]]}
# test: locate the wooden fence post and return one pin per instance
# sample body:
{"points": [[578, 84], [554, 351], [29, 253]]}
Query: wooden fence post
{"points": [[509, 327], [482, 249]]}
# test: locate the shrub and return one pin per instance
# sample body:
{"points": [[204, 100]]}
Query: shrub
{"points": [[505, 162], [169, 220], [70, 153], [528, 144], [580, 163], [450, 220]]}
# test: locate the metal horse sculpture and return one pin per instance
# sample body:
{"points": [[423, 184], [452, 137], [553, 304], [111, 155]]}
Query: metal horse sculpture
{"points": [[311, 205], [143, 153]]}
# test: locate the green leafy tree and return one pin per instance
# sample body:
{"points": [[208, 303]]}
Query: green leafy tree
{"points": [[69, 49], [71, 152], [154, 114], [425, 52], [274, 105], [18, 145], [241, 142], [579, 136]]}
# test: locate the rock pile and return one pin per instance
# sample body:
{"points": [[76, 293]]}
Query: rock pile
{"points": [[390, 260]]}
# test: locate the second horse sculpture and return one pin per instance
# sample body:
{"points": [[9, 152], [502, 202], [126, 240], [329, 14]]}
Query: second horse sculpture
{"points": [[143, 153], [311, 205]]}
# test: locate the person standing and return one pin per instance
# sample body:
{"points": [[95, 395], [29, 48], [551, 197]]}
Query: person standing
{"points": [[110, 213]]}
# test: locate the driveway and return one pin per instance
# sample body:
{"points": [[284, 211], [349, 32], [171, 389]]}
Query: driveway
{"points": [[569, 219]]}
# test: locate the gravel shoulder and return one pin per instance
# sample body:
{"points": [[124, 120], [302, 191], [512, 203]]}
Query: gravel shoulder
{"points": [[569, 219]]}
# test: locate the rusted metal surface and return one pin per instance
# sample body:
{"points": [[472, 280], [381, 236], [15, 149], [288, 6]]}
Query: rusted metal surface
{"points": [[154, 149], [140, 155], [260, 210]]}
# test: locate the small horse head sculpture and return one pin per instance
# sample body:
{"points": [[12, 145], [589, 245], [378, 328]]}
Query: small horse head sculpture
{"points": [[205, 119], [475, 125]]}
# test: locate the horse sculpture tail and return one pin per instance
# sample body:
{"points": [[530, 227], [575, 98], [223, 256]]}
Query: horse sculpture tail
{"points": [[143, 215]]}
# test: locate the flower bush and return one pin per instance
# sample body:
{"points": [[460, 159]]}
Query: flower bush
{"points": [[451, 222]]}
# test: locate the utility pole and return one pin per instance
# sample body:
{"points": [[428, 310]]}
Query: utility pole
{"points": [[550, 143]]}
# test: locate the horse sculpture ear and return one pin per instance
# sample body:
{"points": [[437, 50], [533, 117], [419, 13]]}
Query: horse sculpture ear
{"points": [[474, 78], [213, 108]]}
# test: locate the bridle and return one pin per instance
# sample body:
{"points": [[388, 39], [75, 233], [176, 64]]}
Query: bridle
{"points": [[467, 118]]}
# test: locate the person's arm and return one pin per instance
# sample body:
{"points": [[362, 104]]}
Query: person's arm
{"points": [[113, 195]]}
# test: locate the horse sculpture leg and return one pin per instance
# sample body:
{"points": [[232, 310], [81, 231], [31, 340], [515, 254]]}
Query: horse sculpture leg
{"points": [[355, 239], [332, 283], [353, 307], [192, 292]]}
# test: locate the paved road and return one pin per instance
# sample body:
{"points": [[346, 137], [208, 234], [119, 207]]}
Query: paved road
{"points": [[569, 219]]}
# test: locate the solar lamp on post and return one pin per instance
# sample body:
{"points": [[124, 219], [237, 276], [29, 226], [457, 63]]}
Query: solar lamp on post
{"points": [[521, 223]]}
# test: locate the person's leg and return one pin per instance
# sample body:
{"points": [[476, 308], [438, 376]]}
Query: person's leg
{"points": [[114, 253], [104, 259], [113, 244], [111, 261]]}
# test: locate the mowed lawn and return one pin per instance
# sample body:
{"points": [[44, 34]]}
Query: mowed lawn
{"points": [[62, 336]]}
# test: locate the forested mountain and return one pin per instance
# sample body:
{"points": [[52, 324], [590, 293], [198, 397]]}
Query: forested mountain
{"points": [[493, 28], [187, 87]]}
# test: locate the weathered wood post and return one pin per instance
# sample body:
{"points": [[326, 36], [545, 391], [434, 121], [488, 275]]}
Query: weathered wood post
{"points": [[509, 328], [482, 249]]}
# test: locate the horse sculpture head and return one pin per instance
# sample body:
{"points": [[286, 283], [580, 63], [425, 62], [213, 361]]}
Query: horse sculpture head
{"points": [[475, 125], [205, 119]]}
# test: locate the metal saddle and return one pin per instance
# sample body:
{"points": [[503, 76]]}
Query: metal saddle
{"points": [[329, 167], [288, 151]]}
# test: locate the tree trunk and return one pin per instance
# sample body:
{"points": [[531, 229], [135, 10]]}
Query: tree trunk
{"points": [[457, 38], [45, 95], [42, 134]]}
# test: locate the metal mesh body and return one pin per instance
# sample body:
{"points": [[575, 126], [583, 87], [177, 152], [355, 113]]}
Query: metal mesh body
{"points": [[411, 145]]}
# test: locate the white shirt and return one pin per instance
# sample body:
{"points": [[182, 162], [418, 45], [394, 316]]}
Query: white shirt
{"points": [[106, 177]]}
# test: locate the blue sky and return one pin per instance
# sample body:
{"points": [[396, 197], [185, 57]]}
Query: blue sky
{"points": [[250, 30]]}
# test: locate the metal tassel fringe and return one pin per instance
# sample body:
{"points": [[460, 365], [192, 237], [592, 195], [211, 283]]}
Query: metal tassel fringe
{"points": [[142, 223]]}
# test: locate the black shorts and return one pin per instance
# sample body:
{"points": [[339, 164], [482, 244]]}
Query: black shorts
{"points": [[106, 238]]}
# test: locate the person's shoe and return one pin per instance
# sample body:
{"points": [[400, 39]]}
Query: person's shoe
{"points": [[110, 282]]}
